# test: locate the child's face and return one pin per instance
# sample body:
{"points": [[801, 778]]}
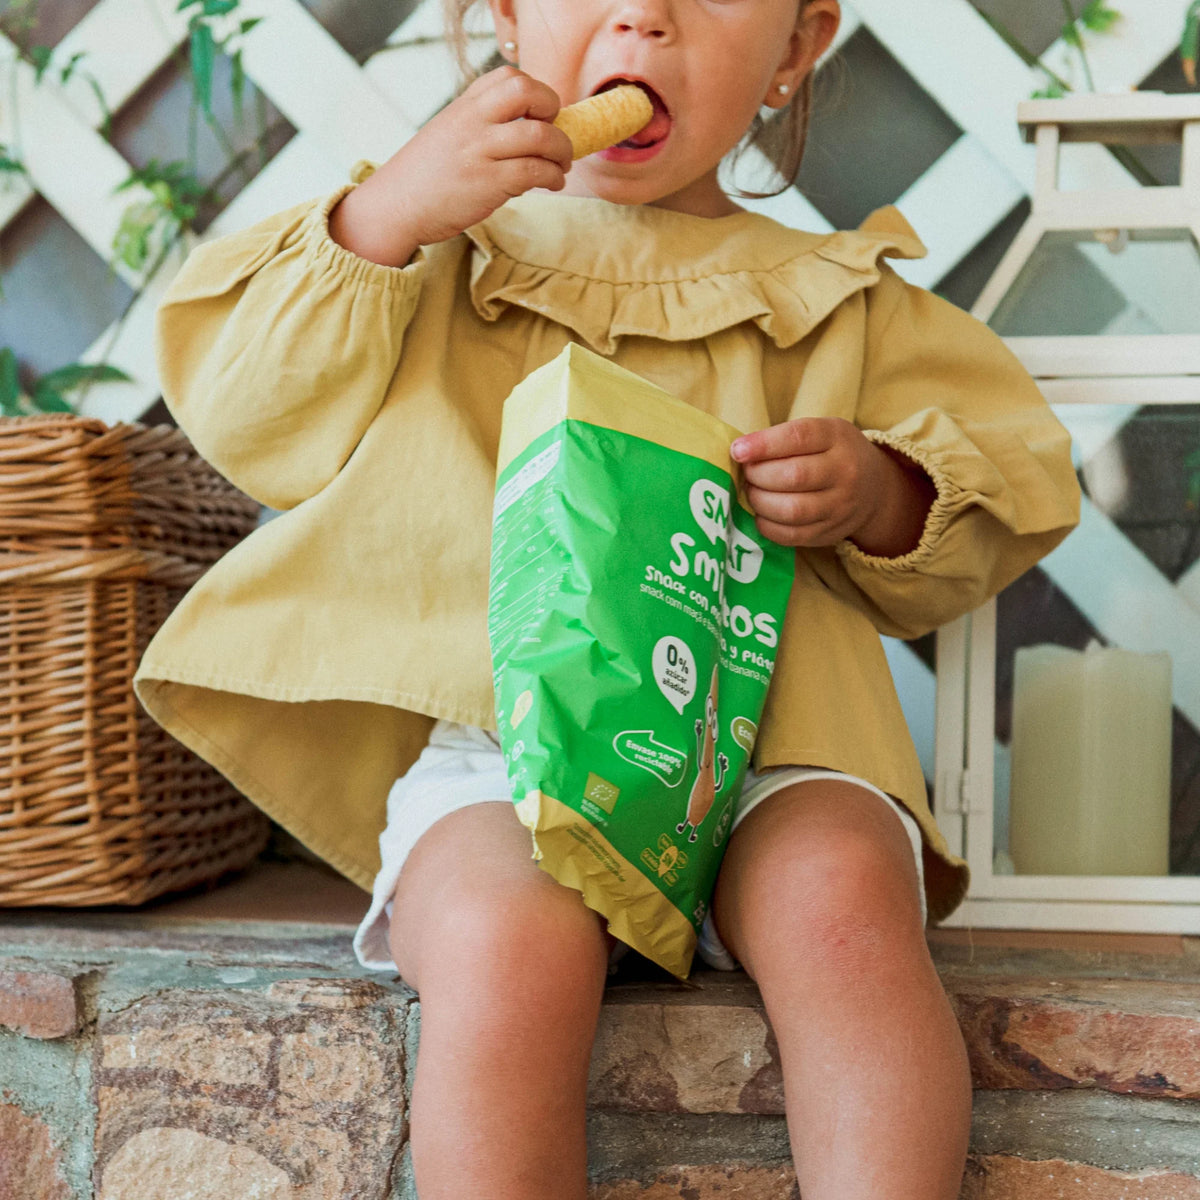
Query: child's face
{"points": [[708, 64]]}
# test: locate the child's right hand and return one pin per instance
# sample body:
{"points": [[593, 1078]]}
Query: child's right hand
{"points": [[492, 143]]}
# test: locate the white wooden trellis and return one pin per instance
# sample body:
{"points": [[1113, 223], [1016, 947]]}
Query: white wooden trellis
{"points": [[344, 112]]}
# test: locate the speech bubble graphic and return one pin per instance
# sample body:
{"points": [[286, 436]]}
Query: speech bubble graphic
{"points": [[710, 507], [744, 732], [674, 668], [643, 749], [744, 559]]}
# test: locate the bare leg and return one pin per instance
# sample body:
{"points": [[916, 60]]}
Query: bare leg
{"points": [[817, 899], [510, 967]]}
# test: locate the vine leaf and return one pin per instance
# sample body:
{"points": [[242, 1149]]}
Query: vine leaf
{"points": [[10, 163], [1098, 16], [1192, 463], [48, 393], [40, 57], [10, 384], [69, 68], [171, 206], [237, 84], [204, 53], [1189, 43], [1052, 91]]}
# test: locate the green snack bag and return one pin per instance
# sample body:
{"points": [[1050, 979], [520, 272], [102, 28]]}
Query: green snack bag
{"points": [[634, 615]]}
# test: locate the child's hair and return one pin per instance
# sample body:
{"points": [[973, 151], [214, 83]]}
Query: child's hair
{"points": [[781, 139]]}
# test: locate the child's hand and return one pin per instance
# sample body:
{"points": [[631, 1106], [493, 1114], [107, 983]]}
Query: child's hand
{"points": [[815, 481], [493, 142]]}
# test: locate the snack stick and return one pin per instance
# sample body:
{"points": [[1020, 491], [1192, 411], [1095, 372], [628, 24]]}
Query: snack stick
{"points": [[605, 119]]}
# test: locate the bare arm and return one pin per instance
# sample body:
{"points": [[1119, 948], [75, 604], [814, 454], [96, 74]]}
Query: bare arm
{"points": [[493, 142]]}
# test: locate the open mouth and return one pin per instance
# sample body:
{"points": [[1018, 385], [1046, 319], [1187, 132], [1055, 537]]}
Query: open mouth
{"points": [[659, 125]]}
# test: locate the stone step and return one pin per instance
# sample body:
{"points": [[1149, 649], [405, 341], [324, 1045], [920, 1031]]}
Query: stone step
{"points": [[144, 1057]]}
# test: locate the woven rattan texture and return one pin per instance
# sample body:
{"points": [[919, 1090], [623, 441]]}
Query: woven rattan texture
{"points": [[102, 530]]}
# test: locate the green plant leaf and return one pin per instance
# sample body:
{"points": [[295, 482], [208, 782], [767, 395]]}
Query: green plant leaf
{"points": [[209, 8], [1189, 44], [106, 112], [49, 393], [204, 51], [1052, 91], [1192, 463], [248, 24], [40, 57], [176, 191], [1098, 16], [131, 242], [64, 76], [10, 384], [1072, 36], [49, 401], [237, 85], [9, 164], [175, 194], [66, 379]]}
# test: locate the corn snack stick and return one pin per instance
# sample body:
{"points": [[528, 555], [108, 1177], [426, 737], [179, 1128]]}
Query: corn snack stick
{"points": [[605, 119]]}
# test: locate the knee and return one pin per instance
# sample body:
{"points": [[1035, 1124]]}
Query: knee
{"points": [[837, 902], [530, 942]]}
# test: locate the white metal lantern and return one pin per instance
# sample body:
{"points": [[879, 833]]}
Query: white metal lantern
{"points": [[1065, 821]]}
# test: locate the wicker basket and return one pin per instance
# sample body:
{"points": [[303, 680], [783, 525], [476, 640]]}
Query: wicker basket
{"points": [[102, 530]]}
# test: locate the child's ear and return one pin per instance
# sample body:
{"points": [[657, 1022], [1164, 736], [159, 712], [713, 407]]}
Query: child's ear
{"points": [[816, 25], [504, 18]]}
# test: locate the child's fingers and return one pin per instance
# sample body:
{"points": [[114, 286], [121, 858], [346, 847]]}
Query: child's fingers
{"points": [[797, 473], [524, 138], [510, 94], [804, 436], [516, 176], [791, 508], [796, 535]]}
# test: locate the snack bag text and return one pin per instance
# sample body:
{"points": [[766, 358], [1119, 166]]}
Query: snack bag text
{"points": [[634, 617]]}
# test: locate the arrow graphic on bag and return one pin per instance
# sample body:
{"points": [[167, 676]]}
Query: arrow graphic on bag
{"points": [[640, 747]]}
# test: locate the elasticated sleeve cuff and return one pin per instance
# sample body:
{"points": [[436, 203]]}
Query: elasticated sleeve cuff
{"points": [[948, 501], [325, 253]]}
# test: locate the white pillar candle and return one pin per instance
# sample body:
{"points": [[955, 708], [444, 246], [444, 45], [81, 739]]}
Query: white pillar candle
{"points": [[1091, 762]]}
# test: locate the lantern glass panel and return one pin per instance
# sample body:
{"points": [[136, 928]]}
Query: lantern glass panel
{"points": [[1112, 282], [1097, 738]]}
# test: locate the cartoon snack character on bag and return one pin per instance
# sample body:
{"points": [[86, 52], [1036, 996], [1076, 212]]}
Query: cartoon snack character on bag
{"points": [[708, 783], [634, 614]]}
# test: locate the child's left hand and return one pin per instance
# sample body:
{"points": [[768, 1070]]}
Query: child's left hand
{"points": [[818, 480]]}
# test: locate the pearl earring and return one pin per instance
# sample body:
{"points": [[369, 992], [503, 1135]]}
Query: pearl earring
{"points": [[783, 89], [510, 47]]}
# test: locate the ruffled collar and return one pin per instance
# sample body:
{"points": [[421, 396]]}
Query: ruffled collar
{"points": [[608, 271]]}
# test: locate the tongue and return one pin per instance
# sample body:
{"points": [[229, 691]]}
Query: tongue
{"points": [[655, 131]]}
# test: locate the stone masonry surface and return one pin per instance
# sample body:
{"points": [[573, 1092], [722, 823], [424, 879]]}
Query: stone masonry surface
{"points": [[39, 1004], [150, 1059]]}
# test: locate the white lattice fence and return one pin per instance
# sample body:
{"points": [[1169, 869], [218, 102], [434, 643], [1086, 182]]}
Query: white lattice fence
{"points": [[344, 112]]}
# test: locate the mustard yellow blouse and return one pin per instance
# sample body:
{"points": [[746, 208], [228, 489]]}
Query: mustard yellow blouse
{"points": [[310, 663]]}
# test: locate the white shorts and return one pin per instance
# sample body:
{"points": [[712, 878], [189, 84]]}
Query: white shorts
{"points": [[462, 766]]}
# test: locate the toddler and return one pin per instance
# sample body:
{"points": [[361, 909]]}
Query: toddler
{"points": [[347, 361]]}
